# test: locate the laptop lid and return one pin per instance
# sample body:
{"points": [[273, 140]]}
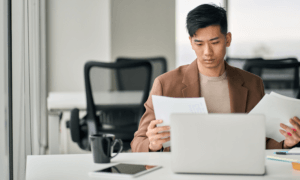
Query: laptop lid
{"points": [[218, 143]]}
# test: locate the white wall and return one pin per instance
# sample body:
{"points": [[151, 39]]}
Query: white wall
{"points": [[142, 28], [77, 31], [81, 30]]}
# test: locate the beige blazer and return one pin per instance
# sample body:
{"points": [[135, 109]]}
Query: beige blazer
{"points": [[245, 91]]}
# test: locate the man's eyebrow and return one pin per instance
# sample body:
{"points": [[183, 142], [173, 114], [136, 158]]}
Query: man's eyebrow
{"points": [[214, 38], [197, 40]]}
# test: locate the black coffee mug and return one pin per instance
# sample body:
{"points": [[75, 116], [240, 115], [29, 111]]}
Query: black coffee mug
{"points": [[102, 146]]}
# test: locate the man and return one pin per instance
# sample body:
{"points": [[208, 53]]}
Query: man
{"points": [[226, 89]]}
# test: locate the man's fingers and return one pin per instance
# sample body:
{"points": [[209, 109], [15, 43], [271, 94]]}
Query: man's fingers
{"points": [[160, 141], [159, 136], [162, 128], [154, 122], [152, 127]]}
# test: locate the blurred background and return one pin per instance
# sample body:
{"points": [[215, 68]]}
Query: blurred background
{"points": [[103, 30], [54, 39]]}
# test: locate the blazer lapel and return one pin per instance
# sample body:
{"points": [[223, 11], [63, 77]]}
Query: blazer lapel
{"points": [[237, 93], [191, 80]]}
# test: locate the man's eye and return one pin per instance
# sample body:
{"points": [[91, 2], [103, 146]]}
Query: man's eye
{"points": [[199, 44], [215, 42]]}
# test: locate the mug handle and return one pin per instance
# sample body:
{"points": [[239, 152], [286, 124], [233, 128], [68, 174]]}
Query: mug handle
{"points": [[114, 143]]}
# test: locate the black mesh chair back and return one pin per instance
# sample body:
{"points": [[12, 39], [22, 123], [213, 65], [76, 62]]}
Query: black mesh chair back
{"points": [[285, 72], [240, 62], [278, 75], [159, 66], [110, 110]]}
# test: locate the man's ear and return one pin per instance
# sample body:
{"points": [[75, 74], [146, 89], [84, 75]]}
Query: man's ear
{"points": [[191, 42], [228, 39]]}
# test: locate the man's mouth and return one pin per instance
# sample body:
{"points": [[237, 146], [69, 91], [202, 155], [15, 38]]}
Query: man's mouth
{"points": [[208, 60]]}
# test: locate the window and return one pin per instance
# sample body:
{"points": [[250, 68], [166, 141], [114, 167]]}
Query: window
{"points": [[268, 29]]}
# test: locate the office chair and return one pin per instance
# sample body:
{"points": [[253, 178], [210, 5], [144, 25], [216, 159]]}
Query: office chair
{"points": [[277, 75], [240, 62], [286, 79], [159, 66], [119, 119]]}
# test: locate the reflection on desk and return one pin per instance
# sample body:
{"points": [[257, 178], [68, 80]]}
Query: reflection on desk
{"points": [[76, 167]]}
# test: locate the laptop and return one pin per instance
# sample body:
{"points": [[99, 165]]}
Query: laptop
{"points": [[218, 143]]}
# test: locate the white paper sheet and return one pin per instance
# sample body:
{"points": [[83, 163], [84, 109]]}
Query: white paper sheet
{"points": [[277, 109], [284, 97], [295, 150], [165, 106]]}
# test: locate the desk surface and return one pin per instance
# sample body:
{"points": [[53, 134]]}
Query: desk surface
{"points": [[69, 100], [76, 167]]}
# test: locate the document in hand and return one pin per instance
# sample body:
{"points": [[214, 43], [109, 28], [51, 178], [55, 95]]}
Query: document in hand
{"points": [[165, 106], [277, 109]]}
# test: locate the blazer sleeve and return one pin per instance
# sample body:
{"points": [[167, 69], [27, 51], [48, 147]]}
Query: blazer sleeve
{"points": [[140, 142], [270, 143]]}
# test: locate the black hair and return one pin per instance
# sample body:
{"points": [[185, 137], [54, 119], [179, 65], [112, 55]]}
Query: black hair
{"points": [[206, 15]]}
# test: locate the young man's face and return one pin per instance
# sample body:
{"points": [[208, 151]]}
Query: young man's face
{"points": [[210, 44]]}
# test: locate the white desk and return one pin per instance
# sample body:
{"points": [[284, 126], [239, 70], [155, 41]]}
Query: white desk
{"points": [[58, 102], [70, 100], [76, 167]]}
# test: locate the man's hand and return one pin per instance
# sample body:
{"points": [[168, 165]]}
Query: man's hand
{"points": [[292, 135], [155, 138]]}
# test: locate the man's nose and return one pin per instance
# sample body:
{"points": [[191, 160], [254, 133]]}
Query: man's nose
{"points": [[208, 51]]}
